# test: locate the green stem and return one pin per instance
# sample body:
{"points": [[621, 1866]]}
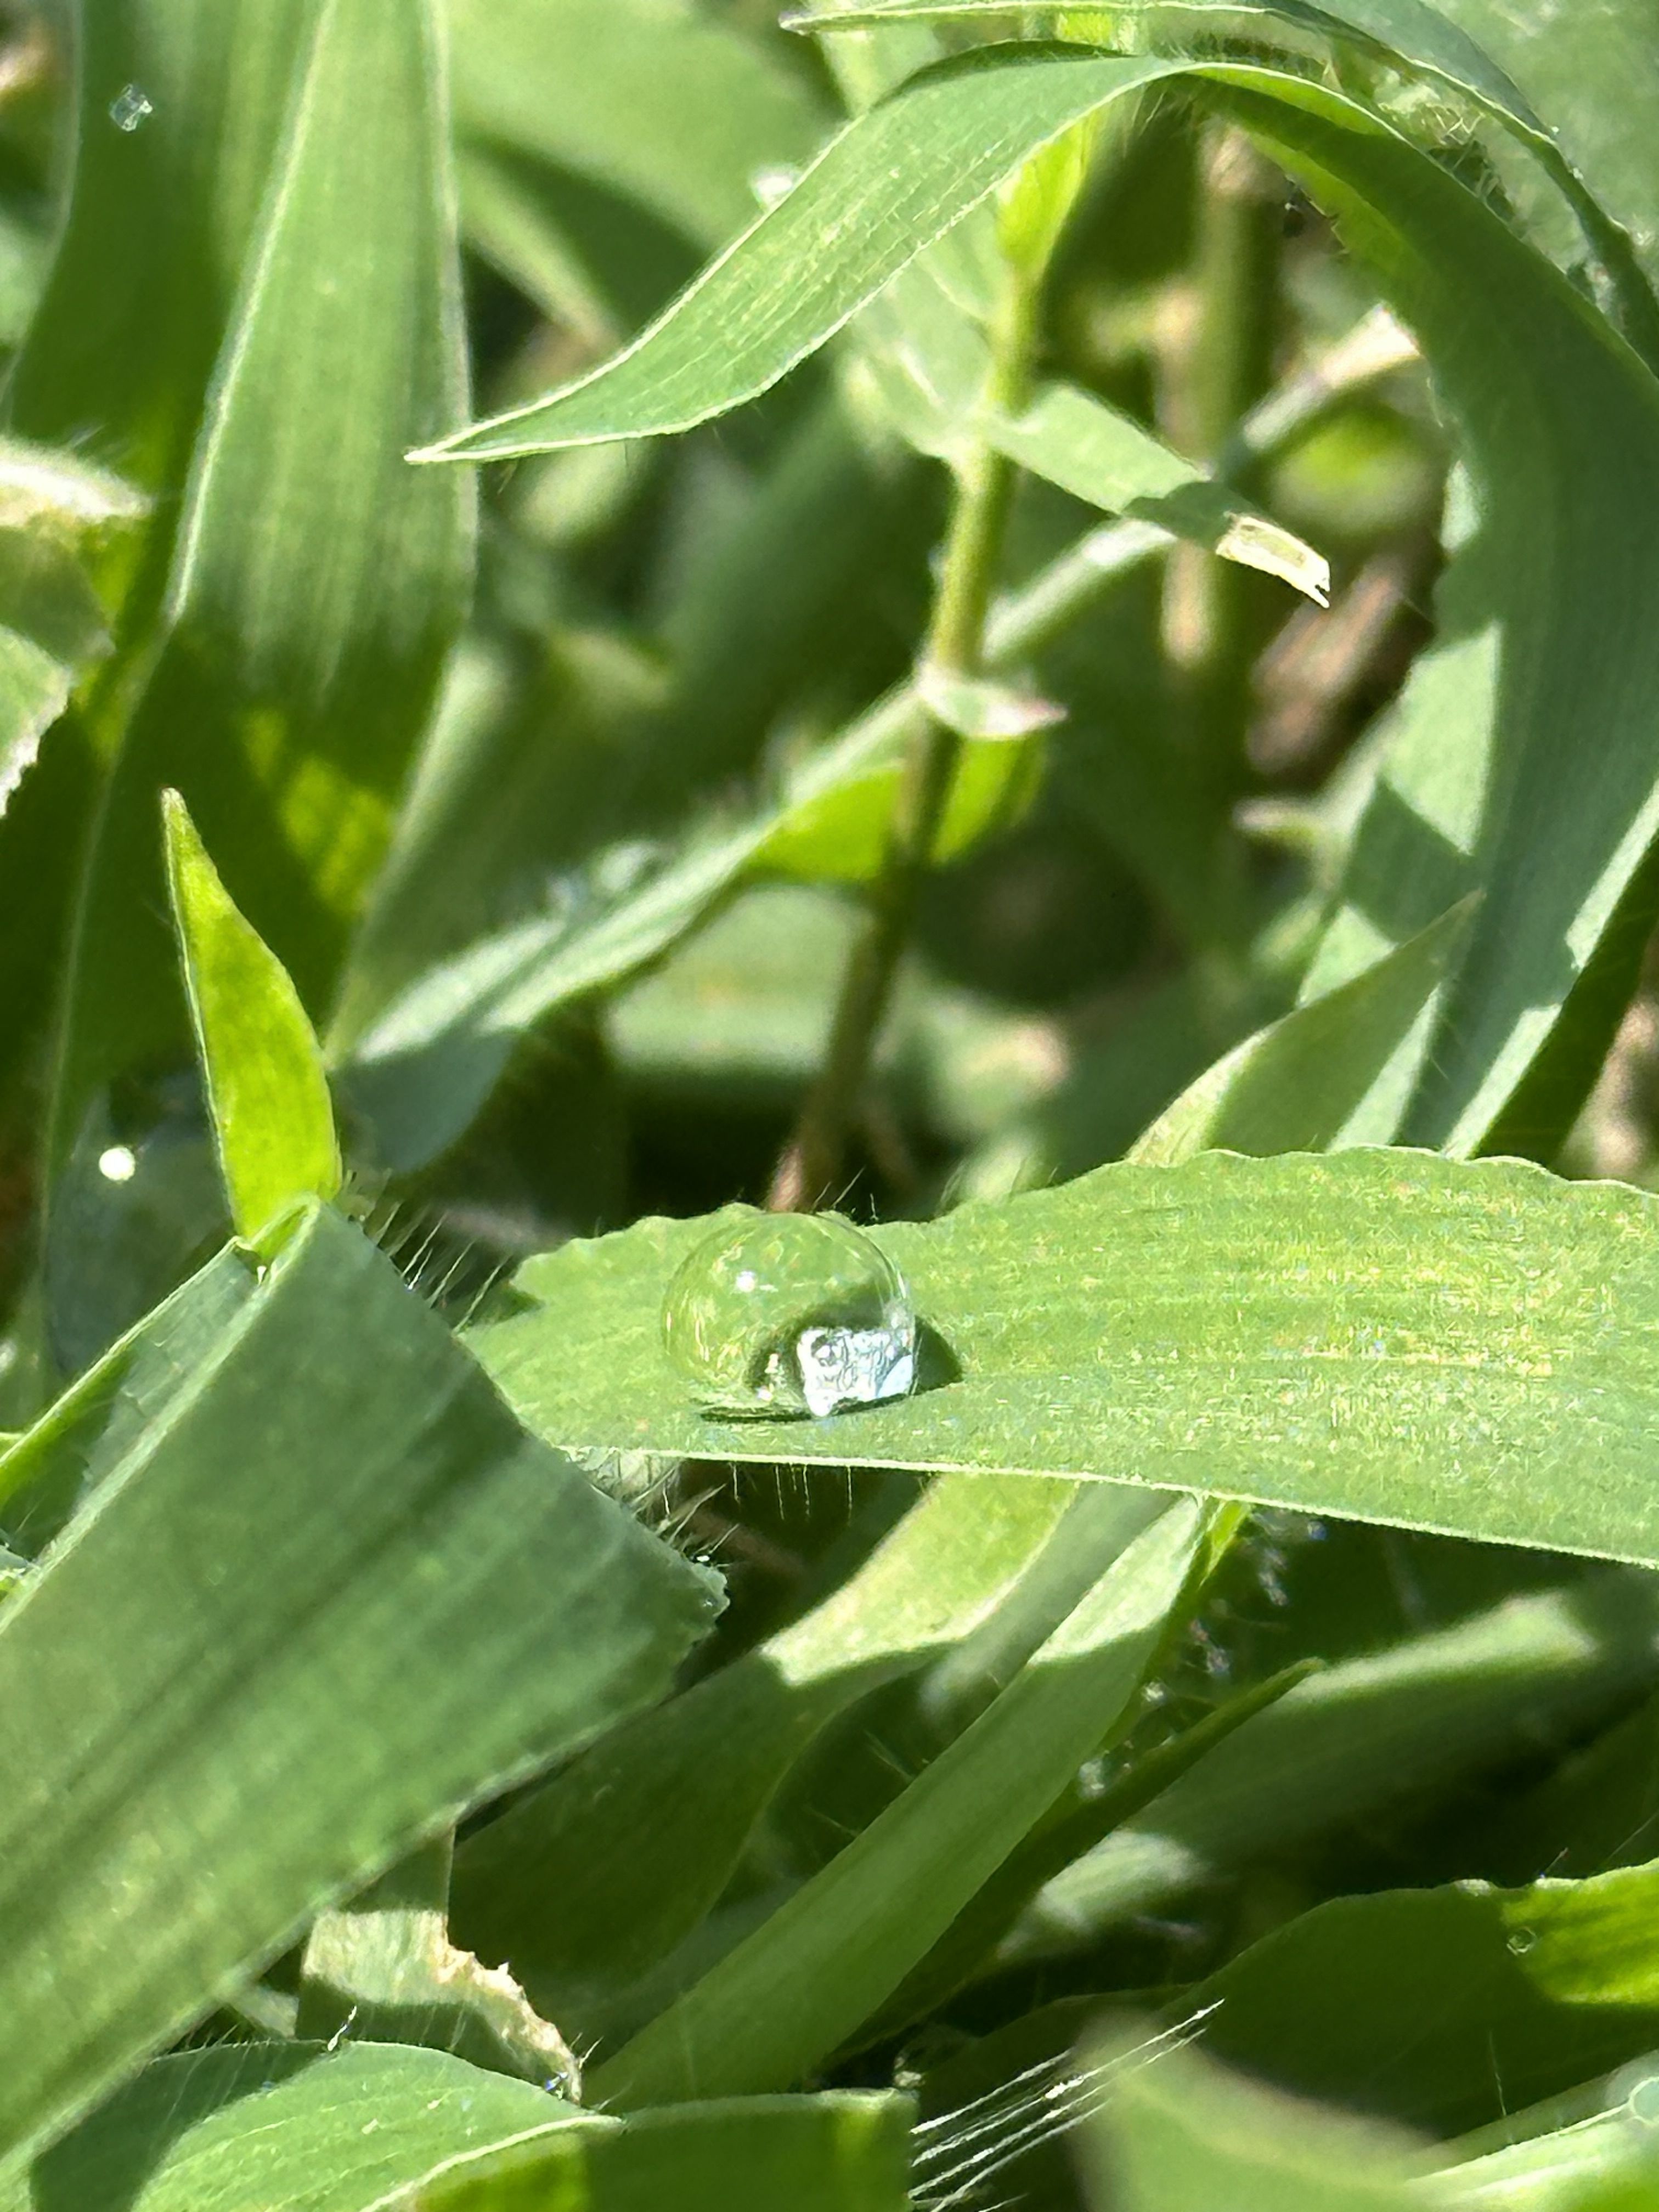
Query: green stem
{"points": [[812, 1162]]}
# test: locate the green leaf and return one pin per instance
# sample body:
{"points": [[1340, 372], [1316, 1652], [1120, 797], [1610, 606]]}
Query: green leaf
{"points": [[654, 102], [885, 188], [1360, 1737], [273, 1121], [56, 512], [927, 361], [782, 2002], [589, 1882], [382, 1968], [297, 1628], [844, 2151], [430, 1058], [247, 2126], [159, 221], [1444, 2008], [1180, 2134], [1429, 42], [85, 1436], [1382, 1335], [317, 582], [1555, 411], [641, 1833], [1293, 1085]]}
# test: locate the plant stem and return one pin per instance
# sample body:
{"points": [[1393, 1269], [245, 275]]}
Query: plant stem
{"points": [[812, 1162]]}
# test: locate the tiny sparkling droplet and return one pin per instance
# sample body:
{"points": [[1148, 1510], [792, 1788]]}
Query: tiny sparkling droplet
{"points": [[118, 1164], [129, 107], [1523, 1940], [790, 1313]]}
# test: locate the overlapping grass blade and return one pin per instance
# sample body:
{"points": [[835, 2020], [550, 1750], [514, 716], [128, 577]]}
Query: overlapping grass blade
{"points": [[331, 1597]]}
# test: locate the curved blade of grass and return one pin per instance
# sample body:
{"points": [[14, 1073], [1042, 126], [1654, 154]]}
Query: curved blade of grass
{"points": [[273, 1121], [299, 1626], [781, 2003], [1382, 1335], [1425, 41], [317, 582]]}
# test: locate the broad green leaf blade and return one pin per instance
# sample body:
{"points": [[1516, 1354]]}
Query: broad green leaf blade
{"points": [[1441, 2008], [588, 1882], [273, 1121], [318, 582], [1363, 1736], [1383, 1336], [656, 103], [1293, 1085], [843, 2151], [780, 2004], [247, 2127], [1433, 42], [1178, 2133], [334, 1596]]}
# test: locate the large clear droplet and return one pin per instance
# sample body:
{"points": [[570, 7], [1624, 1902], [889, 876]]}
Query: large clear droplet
{"points": [[790, 1313]]}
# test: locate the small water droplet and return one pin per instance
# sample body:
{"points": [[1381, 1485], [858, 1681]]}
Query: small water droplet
{"points": [[130, 106], [773, 184], [1522, 1941], [369, 2127], [1644, 2102], [119, 1163], [790, 1313]]}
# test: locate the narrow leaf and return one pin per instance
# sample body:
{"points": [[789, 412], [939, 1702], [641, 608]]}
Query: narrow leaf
{"points": [[273, 1121], [317, 582]]}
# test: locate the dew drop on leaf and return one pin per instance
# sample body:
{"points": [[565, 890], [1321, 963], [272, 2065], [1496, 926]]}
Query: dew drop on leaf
{"points": [[790, 1313], [129, 107]]}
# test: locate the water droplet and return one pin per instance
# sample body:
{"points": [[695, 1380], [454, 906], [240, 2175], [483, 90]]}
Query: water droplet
{"points": [[790, 1313], [1644, 2102], [773, 184], [129, 107], [1522, 1941], [119, 1163]]}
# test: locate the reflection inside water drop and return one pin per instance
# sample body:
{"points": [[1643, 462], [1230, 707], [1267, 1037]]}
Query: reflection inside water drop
{"points": [[129, 107], [790, 1313]]}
